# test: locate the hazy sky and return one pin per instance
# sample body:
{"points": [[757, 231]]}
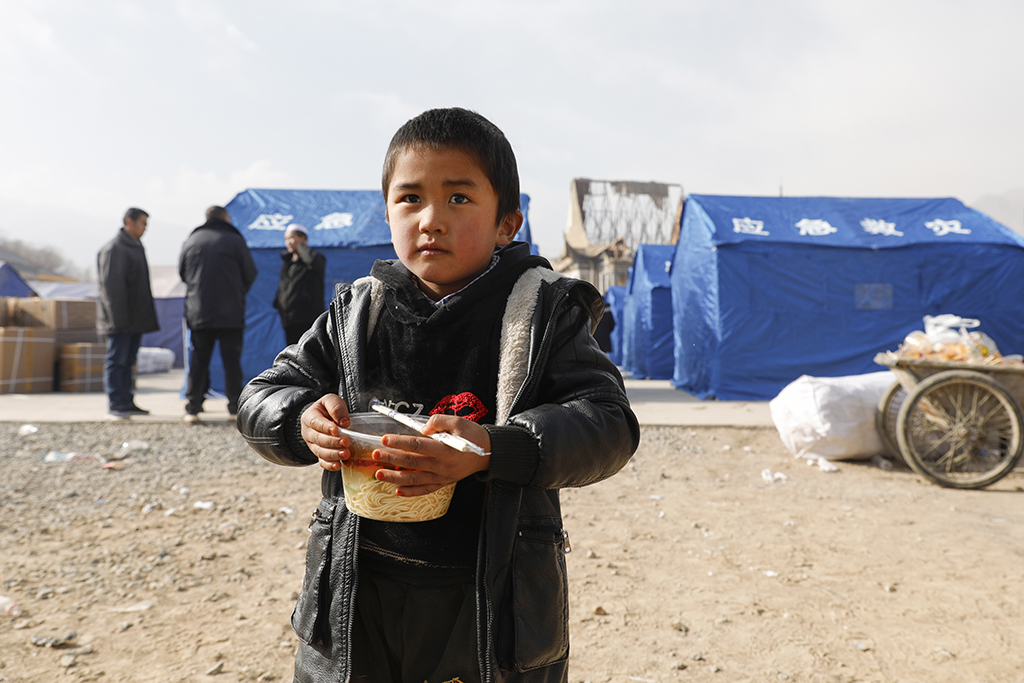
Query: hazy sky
{"points": [[174, 105]]}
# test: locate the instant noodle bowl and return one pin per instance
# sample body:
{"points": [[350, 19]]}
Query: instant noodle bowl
{"points": [[373, 499]]}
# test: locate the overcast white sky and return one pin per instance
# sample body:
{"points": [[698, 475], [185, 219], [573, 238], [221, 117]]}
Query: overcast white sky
{"points": [[174, 105]]}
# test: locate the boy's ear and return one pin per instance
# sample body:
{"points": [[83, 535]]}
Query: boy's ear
{"points": [[508, 228]]}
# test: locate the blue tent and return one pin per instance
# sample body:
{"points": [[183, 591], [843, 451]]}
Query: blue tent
{"points": [[647, 330], [11, 283], [169, 300], [346, 226], [765, 289], [615, 301]]}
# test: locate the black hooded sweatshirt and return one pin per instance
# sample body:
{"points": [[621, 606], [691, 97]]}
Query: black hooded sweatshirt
{"points": [[439, 360]]}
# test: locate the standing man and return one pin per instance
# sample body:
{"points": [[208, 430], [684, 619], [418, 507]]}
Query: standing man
{"points": [[300, 292], [217, 270], [126, 310]]}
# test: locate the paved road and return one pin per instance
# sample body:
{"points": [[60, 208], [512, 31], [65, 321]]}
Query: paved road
{"points": [[655, 402]]}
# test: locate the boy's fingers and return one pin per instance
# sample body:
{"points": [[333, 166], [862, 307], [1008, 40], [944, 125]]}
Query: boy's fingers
{"points": [[411, 479], [441, 423], [319, 425], [326, 415], [410, 491], [471, 431], [335, 449], [336, 409], [419, 445], [399, 459], [332, 465], [322, 433]]}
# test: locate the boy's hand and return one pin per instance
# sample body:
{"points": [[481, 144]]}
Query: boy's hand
{"points": [[428, 465], [320, 424]]}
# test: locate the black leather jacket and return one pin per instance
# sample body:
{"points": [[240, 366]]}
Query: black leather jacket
{"points": [[563, 419], [126, 301], [217, 268]]}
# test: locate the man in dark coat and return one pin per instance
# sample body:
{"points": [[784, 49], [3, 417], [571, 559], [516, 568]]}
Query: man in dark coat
{"points": [[217, 270], [126, 310], [300, 291]]}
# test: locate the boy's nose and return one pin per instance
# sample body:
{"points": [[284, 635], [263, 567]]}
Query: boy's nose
{"points": [[431, 219]]}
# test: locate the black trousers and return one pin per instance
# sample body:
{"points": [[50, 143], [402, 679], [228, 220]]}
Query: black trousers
{"points": [[199, 367], [414, 629]]}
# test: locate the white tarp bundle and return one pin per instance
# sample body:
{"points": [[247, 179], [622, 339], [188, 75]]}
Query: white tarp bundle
{"points": [[154, 359], [831, 417]]}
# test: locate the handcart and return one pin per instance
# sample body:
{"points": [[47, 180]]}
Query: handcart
{"points": [[955, 423]]}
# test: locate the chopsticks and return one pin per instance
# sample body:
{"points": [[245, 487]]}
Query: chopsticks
{"points": [[456, 442]]}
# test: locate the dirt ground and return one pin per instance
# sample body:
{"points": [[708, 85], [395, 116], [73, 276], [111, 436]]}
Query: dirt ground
{"points": [[714, 556]]}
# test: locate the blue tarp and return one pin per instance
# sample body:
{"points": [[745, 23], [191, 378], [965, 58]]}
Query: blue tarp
{"points": [[647, 330], [11, 283], [615, 300], [170, 312], [169, 299], [346, 226], [765, 289], [46, 289]]}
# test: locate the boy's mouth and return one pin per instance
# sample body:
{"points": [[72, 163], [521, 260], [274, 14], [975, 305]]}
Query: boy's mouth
{"points": [[431, 248]]}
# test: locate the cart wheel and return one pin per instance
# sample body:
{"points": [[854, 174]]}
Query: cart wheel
{"points": [[885, 419], [960, 429]]}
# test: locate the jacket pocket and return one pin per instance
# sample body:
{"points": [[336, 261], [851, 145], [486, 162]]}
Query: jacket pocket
{"points": [[309, 620], [540, 592]]}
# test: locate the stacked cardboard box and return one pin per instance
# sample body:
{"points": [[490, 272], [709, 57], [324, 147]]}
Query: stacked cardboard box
{"points": [[31, 330], [73, 320], [81, 367], [26, 360]]}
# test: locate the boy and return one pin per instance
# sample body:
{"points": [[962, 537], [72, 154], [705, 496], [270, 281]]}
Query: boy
{"points": [[483, 336]]}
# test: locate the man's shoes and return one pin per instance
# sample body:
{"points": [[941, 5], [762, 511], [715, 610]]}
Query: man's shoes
{"points": [[119, 414], [135, 410], [190, 419]]}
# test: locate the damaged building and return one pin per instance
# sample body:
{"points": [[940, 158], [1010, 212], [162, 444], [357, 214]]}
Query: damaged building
{"points": [[609, 219]]}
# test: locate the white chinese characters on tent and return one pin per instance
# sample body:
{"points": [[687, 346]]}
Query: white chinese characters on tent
{"points": [[766, 289]]}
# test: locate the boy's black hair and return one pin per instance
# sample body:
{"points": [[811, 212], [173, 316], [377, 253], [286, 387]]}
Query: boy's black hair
{"points": [[469, 132]]}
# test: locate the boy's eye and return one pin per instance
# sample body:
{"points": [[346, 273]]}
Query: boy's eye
{"points": [[460, 199], [409, 199]]}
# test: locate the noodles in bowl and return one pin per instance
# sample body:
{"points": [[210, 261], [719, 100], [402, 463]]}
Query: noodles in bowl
{"points": [[373, 499]]}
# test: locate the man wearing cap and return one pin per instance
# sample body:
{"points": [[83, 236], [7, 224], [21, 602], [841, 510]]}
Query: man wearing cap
{"points": [[300, 292]]}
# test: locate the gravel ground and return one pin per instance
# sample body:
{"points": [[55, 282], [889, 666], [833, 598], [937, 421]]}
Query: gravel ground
{"points": [[713, 556], [152, 467], [185, 517]]}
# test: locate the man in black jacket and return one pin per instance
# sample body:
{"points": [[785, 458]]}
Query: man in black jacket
{"points": [[126, 310], [217, 270], [300, 292]]}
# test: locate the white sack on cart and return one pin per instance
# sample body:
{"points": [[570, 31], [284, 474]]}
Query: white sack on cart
{"points": [[831, 417]]}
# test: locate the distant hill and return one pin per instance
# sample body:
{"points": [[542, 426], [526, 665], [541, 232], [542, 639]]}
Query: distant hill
{"points": [[1007, 208]]}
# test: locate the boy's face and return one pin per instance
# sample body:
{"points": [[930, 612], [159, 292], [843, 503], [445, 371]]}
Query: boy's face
{"points": [[442, 211]]}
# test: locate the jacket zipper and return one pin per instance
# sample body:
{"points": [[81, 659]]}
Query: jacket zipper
{"points": [[531, 379], [342, 390]]}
